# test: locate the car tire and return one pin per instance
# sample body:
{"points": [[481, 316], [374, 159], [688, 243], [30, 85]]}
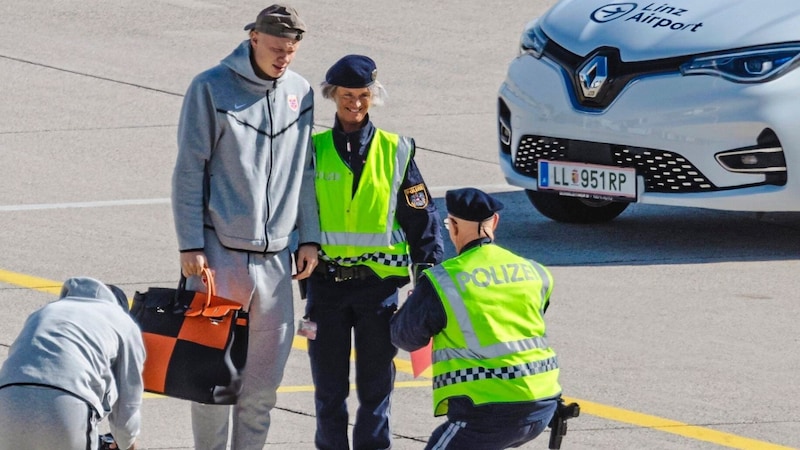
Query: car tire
{"points": [[573, 209]]}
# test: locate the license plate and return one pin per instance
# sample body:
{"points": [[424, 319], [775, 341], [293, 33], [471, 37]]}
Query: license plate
{"points": [[589, 180]]}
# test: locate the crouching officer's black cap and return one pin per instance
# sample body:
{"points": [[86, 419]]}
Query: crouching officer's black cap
{"points": [[471, 204], [352, 71], [279, 20]]}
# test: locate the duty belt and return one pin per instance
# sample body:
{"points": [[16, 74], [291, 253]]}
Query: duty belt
{"points": [[344, 273]]}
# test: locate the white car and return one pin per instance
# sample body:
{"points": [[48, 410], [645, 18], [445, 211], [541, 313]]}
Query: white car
{"points": [[682, 102]]}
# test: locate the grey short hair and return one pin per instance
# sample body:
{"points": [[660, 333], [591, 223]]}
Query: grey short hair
{"points": [[379, 94]]}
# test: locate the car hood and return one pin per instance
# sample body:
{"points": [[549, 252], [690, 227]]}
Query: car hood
{"points": [[644, 31]]}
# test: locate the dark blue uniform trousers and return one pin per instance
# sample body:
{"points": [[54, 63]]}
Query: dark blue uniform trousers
{"points": [[491, 427], [357, 310]]}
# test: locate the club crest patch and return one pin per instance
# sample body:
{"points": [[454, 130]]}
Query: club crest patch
{"points": [[416, 196], [294, 105]]}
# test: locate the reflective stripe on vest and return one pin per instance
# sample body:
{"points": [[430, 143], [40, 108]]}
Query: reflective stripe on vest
{"points": [[503, 373], [347, 240], [363, 239]]}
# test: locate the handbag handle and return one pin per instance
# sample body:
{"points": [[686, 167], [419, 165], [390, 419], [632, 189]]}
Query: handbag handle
{"points": [[220, 307], [211, 289], [208, 276]]}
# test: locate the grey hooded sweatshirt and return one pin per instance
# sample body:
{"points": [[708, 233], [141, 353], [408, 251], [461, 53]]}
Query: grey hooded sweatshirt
{"points": [[244, 165], [84, 344]]}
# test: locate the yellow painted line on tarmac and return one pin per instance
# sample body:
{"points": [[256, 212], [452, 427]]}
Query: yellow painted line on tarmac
{"points": [[29, 282], [402, 365], [587, 407], [300, 343], [672, 426], [397, 384]]}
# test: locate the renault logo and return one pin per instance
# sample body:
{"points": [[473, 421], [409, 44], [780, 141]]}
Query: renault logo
{"points": [[592, 77]]}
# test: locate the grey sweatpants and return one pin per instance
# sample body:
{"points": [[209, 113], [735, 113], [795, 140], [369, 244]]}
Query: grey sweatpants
{"points": [[39, 417], [263, 284]]}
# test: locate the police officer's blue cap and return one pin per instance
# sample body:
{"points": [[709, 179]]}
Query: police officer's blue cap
{"points": [[471, 204], [352, 71]]}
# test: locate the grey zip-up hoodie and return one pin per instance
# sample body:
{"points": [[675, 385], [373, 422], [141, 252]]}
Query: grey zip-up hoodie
{"points": [[244, 164], [84, 344]]}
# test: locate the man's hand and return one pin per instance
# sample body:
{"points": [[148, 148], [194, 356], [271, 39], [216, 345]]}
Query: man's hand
{"points": [[193, 263], [306, 260]]}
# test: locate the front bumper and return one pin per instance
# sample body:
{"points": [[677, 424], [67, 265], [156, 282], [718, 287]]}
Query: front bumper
{"points": [[671, 128]]}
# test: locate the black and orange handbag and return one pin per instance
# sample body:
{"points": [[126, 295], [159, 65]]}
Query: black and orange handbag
{"points": [[196, 342]]}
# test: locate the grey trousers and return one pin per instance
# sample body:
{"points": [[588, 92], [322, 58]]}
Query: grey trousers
{"points": [[263, 284], [39, 417]]}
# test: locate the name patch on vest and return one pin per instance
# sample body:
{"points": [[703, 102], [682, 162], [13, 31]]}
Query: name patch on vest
{"points": [[327, 176], [487, 276], [416, 196]]}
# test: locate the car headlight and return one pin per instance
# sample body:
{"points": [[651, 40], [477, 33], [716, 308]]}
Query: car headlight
{"points": [[532, 41], [755, 65]]}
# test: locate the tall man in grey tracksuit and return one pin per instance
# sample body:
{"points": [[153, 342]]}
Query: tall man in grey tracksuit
{"points": [[76, 361], [243, 181]]}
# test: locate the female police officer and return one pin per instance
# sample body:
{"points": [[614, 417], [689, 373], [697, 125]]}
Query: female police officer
{"points": [[376, 219]]}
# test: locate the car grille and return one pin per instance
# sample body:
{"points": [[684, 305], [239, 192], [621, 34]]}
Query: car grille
{"points": [[663, 171]]}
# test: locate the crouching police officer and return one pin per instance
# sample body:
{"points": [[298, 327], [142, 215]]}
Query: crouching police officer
{"points": [[376, 219], [494, 374]]}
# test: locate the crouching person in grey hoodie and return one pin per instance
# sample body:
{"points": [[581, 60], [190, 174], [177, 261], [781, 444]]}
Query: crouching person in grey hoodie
{"points": [[76, 361]]}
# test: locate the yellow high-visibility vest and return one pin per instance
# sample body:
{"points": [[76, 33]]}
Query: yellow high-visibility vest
{"points": [[494, 347], [361, 228]]}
